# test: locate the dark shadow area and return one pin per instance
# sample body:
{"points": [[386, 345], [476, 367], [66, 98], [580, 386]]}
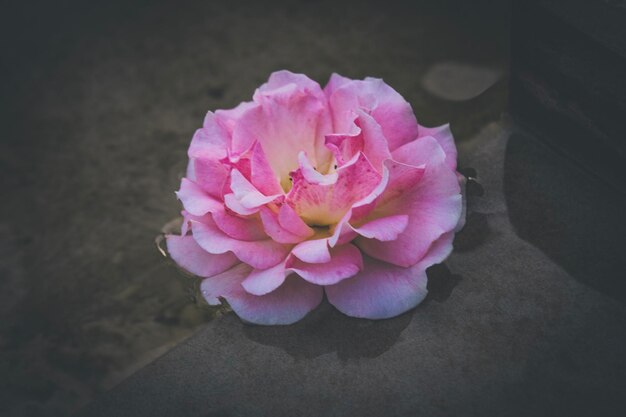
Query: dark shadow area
{"points": [[571, 215], [327, 330], [475, 232], [441, 282]]}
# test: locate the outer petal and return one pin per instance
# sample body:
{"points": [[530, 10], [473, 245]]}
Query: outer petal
{"points": [[188, 255], [433, 205], [386, 106], [190, 172], [283, 78], [443, 135], [229, 118], [185, 227], [260, 254], [195, 200], [345, 262], [462, 184], [224, 284], [211, 175], [212, 140], [379, 291], [263, 281], [240, 228], [422, 151], [287, 304], [382, 290], [438, 251], [334, 83]]}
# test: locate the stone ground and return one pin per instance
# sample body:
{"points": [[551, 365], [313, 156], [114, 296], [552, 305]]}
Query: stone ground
{"points": [[98, 106]]}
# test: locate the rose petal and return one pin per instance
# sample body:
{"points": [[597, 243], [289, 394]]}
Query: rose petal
{"points": [[312, 251], [310, 173], [422, 151], [383, 103], [363, 207], [262, 176], [260, 254], [379, 291], [438, 251], [325, 204], [188, 255], [211, 140], [399, 178], [462, 184], [231, 202], [279, 79], [443, 135], [345, 262], [224, 284], [237, 227], [334, 83], [342, 232], [345, 145], [263, 281], [366, 136], [246, 193], [384, 229], [433, 205], [287, 304], [211, 175], [285, 121], [228, 118], [290, 220], [195, 200], [239, 161], [273, 228], [185, 227], [382, 290], [190, 172]]}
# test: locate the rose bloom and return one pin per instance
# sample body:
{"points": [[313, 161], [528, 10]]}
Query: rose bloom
{"points": [[307, 191]]}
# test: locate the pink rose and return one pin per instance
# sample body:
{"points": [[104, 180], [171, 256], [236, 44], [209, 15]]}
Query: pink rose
{"points": [[304, 191]]}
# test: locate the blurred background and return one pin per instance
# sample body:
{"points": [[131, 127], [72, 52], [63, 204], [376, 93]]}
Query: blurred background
{"points": [[98, 104]]}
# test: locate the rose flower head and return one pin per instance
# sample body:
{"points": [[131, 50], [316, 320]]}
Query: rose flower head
{"points": [[305, 191]]}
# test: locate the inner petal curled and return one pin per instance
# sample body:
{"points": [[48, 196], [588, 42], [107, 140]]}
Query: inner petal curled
{"points": [[320, 203]]}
